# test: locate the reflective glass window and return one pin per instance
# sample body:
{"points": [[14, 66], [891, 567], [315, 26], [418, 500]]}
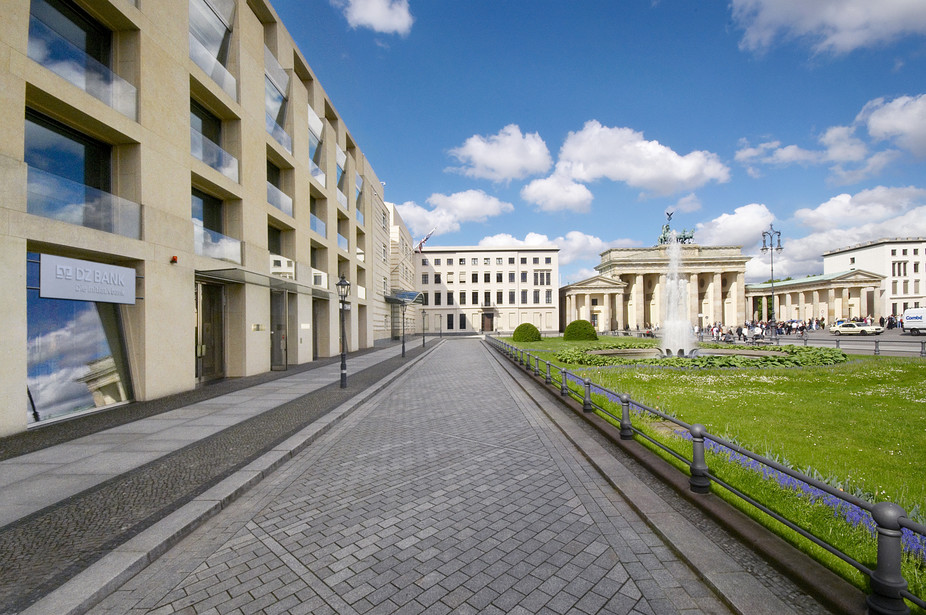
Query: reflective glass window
{"points": [[58, 149], [76, 357], [210, 30]]}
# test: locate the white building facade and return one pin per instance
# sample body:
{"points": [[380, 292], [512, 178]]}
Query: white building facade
{"points": [[902, 262], [483, 290]]}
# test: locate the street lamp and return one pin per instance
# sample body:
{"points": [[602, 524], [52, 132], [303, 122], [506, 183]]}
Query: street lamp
{"points": [[343, 287], [772, 235]]}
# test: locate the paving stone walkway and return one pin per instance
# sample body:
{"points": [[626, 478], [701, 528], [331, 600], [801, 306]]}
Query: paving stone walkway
{"points": [[447, 491]]}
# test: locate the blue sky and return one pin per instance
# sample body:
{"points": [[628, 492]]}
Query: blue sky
{"points": [[579, 124]]}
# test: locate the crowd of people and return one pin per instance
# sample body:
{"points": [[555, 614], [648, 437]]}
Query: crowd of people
{"points": [[754, 330]]}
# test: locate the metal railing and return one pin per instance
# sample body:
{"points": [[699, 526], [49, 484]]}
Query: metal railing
{"points": [[888, 586]]}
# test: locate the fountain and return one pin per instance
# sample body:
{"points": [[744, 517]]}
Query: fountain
{"points": [[677, 337]]}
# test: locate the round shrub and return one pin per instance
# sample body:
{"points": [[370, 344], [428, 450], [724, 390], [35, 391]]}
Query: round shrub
{"points": [[580, 330], [526, 332]]}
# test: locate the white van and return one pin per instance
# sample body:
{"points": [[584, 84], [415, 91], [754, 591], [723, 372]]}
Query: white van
{"points": [[914, 320]]}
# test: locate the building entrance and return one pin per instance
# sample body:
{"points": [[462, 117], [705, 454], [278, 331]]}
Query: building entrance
{"points": [[278, 330], [210, 331], [488, 322]]}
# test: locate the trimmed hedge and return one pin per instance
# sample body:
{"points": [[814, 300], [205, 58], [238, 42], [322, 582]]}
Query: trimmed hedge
{"points": [[526, 332], [580, 330]]}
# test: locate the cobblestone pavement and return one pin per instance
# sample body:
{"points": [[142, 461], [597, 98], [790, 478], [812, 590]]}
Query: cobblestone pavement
{"points": [[43, 550], [447, 492]]}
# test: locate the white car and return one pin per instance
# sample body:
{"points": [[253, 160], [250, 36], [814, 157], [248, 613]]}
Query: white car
{"points": [[855, 328]]}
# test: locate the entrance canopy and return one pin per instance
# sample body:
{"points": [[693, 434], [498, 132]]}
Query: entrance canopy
{"points": [[242, 276]]}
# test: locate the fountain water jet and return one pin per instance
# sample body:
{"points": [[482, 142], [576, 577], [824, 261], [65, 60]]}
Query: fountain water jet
{"points": [[677, 337]]}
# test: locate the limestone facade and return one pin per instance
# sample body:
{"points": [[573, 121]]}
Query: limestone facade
{"points": [[190, 142]]}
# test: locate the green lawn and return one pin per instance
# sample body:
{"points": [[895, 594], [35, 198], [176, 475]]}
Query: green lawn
{"points": [[863, 422]]}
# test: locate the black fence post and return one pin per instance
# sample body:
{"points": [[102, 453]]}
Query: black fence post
{"points": [[699, 482], [564, 385], [587, 402], [626, 425], [536, 366], [877, 346], [923, 349], [887, 581], [548, 378]]}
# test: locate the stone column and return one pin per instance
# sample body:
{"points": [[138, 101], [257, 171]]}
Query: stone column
{"points": [[588, 307], [606, 311], [830, 306], [845, 303], [788, 307], [661, 305], [694, 307], [717, 298], [637, 295], [619, 310], [740, 298], [815, 297]]}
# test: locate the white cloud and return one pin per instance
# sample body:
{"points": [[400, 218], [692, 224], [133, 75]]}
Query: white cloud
{"points": [[504, 156], [741, 228], [386, 16], [448, 212], [874, 205], [622, 154], [574, 246], [688, 203], [558, 193], [902, 120], [835, 26]]}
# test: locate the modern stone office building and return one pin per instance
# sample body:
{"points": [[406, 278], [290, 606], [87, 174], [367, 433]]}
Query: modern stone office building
{"points": [[629, 291], [479, 289], [178, 198]]}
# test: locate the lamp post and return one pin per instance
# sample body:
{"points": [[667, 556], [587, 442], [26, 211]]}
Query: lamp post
{"points": [[772, 235], [404, 305], [343, 287]]}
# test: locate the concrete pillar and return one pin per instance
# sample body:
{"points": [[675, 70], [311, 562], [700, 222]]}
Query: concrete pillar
{"points": [[789, 306], [588, 307], [844, 310], [815, 297]]}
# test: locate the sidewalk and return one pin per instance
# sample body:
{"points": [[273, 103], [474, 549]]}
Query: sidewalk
{"points": [[453, 488], [68, 505]]}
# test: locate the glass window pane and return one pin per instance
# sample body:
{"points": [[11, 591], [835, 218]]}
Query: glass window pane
{"points": [[76, 27], [75, 354], [209, 30], [55, 148]]}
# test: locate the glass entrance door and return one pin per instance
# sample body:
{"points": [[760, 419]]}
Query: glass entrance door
{"points": [[278, 331], [210, 332]]}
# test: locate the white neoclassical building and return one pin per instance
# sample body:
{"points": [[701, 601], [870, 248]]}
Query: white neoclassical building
{"points": [[899, 261], [830, 296], [628, 292]]}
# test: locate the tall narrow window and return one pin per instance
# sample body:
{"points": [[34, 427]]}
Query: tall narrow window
{"points": [[276, 87], [210, 38], [341, 177], [206, 141], [209, 228], [316, 128]]}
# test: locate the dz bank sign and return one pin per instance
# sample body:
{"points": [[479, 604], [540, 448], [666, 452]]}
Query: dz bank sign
{"points": [[70, 278]]}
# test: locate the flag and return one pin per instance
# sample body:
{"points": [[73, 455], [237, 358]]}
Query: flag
{"points": [[426, 237]]}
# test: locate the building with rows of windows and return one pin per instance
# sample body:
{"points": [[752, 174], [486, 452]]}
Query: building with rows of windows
{"points": [[179, 198], [900, 262], [481, 289]]}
